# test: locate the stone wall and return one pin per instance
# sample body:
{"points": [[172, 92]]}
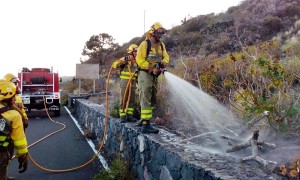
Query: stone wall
{"points": [[161, 156]]}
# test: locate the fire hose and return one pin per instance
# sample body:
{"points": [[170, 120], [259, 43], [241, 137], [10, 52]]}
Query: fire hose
{"points": [[128, 86], [64, 126]]}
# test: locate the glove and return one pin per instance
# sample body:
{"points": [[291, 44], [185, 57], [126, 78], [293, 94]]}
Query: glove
{"points": [[163, 64], [121, 66], [150, 70], [23, 162], [156, 71]]}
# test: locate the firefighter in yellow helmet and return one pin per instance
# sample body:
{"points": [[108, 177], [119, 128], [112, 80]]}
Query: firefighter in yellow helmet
{"points": [[128, 68], [19, 106], [151, 58], [11, 130]]}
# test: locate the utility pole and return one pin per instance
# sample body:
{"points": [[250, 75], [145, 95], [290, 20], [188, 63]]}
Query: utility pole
{"points": [[144, 19]]}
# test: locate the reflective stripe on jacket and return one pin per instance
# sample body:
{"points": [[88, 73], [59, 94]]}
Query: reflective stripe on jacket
{"points": [[128, 70]]}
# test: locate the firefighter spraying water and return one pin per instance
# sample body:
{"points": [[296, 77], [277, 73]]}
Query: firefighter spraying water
{"points": [[151, 58]]}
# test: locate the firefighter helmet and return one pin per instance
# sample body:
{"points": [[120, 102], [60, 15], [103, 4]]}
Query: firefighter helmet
{"points": [[157, 28], [132, 48], [7, 90], [12, 78]]}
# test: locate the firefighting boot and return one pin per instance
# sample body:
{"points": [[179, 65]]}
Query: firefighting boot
{"points": [[148, 128], [130, 118], [123, 119]]}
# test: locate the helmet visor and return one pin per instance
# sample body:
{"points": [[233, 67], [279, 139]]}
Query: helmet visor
{"points": [[161, 31], [15, 80]]}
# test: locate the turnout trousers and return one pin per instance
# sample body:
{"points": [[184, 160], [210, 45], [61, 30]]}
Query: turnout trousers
{"points": [[131, 105], [4, 160], [147, 94]]}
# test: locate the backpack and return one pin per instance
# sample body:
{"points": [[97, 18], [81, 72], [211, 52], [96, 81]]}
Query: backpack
{"points": [[5, 125]]}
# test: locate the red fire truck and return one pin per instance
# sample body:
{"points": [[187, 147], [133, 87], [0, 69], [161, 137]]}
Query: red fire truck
{"points": [[40, 89]]}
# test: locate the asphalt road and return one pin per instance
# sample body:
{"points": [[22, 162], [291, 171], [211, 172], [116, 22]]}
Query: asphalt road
{"points": [[63, 150]]}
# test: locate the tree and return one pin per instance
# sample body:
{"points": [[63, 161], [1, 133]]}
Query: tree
{"points": [[99, 47]]}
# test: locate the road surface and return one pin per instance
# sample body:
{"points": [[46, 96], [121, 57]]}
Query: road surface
{"points": [[63, 150]]}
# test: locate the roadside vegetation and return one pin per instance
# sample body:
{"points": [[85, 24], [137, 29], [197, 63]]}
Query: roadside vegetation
{"points": [[248, 58]]}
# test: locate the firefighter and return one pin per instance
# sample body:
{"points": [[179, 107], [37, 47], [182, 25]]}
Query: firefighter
{"points": [[19, 106], [151, 58], [128, 68], [11, 130]]}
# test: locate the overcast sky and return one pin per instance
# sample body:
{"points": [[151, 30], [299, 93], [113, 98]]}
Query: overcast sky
{"points": [[45, 33]]}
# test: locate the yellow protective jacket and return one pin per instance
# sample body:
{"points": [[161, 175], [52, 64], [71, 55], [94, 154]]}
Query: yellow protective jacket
{"points": [[17, 132], [128, 70], [19, 104], [155, 55]]}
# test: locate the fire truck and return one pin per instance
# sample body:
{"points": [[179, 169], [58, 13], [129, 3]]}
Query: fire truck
{"points": [[40, 89]]}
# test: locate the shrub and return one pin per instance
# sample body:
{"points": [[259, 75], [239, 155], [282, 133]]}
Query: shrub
{"points": [[119, 170]]}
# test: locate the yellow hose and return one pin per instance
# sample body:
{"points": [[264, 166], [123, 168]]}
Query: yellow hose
{"points": [[128, 88]]}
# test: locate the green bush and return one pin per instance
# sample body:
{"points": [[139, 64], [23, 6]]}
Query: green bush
{"points": [[64, 99], [119, 170], [114, 109]]}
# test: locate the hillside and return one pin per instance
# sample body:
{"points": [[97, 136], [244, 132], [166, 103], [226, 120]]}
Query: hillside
{"points": [[66, 78], [250, 23], [246, 57]]}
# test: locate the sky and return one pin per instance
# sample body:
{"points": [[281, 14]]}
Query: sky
{"points": [[52, 33]]}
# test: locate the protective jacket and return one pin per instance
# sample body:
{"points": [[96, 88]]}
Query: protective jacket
{"points": [[156, 55], [12, 120], [129, 69], [148, 82], [19, 104], [20, 107]]}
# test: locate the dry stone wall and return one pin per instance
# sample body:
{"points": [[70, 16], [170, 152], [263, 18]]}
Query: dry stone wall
{"points": [[160, 156]]}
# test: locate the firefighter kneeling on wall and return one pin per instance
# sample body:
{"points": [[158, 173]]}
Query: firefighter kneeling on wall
{"points": [[128, 67], [11, 130], [151, 58]]}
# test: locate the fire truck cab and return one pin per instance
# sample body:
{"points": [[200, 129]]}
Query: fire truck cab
{"points": [[40, 89]]}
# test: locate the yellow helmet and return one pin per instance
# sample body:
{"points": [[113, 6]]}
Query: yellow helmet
{"points": [[156, 28], [10, 77], [132, 48], [7, 90]]}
